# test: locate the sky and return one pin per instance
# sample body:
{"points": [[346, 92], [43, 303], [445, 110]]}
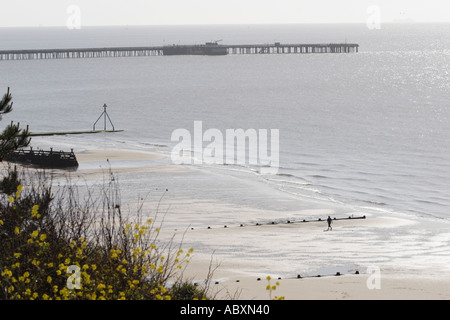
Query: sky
{"points": [[187, 12]]}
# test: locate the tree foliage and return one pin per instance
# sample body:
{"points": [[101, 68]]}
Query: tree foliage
{"points": [[12, 137]]}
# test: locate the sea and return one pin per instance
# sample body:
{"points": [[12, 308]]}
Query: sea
{"points": [[362, 133]]}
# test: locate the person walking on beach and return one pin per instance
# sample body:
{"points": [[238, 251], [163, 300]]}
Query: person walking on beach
{"points": [[329, 223]]}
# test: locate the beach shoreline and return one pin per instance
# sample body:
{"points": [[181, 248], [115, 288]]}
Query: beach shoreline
{"points": [[239, 277]]}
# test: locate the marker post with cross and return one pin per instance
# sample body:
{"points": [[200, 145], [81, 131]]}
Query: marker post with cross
{"points": [[105, 115]]}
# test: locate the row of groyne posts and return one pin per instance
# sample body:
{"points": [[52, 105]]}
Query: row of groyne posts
{"points": [[338, 273], [159, 51], [289, 222]]}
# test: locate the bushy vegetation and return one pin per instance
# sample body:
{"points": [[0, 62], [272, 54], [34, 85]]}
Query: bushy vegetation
{"points": [[56, 246], [59, 245]]}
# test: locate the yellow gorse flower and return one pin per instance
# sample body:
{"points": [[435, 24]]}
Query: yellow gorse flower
{"points": [[101, 286], [132, 265], [34, 212]]}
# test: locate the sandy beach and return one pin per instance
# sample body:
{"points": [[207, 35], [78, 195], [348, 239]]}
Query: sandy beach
{"points": [[232, 280], [346, 287], [242, 256], [94, 163], [114, 155], [229, 282]]}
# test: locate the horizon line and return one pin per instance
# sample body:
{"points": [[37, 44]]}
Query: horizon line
{"points": [[227, 24]]}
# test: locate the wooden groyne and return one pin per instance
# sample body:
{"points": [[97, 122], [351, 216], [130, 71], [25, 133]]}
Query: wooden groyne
{"points": [[279, 222], [45, 159], [205, 49], [63, 133]]}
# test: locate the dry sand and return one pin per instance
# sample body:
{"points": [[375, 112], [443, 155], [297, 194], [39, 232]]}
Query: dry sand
{"points": [[93, 163], [351, 287], [118, 155]]}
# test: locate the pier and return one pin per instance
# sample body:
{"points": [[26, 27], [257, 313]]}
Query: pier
{"points": [[279, 48], [204, 49]]}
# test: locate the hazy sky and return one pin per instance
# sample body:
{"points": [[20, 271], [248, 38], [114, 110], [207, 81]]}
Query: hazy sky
{"points": [[157, 12]]}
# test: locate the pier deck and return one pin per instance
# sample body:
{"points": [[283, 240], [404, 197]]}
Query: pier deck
{"points": [[276, 48]]}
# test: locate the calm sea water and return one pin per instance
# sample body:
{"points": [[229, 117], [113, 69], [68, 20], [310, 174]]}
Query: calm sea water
{"points": [[367, 131]]}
